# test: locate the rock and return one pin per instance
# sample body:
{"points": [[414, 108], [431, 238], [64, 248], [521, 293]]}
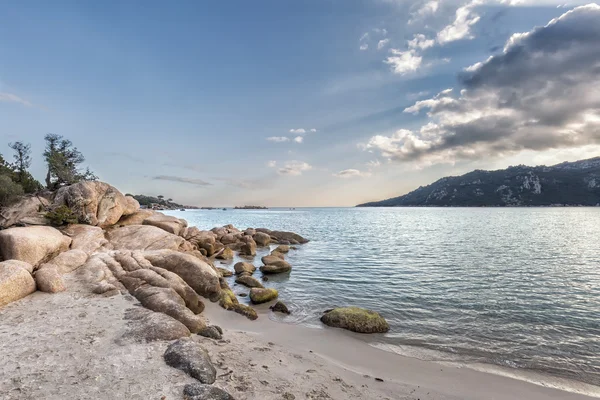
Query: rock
{"points": [[262, 239], [281, 236], [280, 307], [143, 237], [278, 268], [191, 358], [248, 249], [212, 332], [224, 272], [29, 210], [85, 237], [49, 280], [226, 254], [145, 326], [16, 281], [32, 244], [167, 223], [137, 218], [249, 232], [246, 311], [67, 262], [260, 295], [228, 238], [277, 254], [274, 260], [283, 249], [356, 319], [248, 281], [95, 203], [198, 391], [244, 267], [243, 294]]}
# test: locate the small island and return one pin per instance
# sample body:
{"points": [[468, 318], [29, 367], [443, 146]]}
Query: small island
{"points": [[250, 208]]}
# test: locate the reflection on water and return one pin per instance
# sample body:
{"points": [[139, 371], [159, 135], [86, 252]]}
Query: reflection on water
{"points": [[517, 287]]}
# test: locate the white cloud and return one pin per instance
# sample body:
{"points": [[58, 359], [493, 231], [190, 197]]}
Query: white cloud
{"points": [[403, 62], [364, 46], [382, 32], [365, 36], [313, 130], [352, 173], [382, 43], [272, 164], [299, 131], [461, 27], [298, 139], [278, 139], [294, 168], [427, 9], [421, 42], [13, 98], [374, 164]]}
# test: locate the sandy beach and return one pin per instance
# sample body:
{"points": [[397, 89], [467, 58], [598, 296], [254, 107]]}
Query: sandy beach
{"points": [[71, 345]]}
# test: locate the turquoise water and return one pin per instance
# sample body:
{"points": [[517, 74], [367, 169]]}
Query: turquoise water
{"points": [[516, 287]]}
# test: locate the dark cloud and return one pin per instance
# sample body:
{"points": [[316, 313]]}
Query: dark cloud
{"points": [[180, 179], [541, 92]]}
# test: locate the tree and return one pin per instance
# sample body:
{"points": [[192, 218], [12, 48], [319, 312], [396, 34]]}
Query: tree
{"points": [[63, 161], [22, 162], [160, 196]]}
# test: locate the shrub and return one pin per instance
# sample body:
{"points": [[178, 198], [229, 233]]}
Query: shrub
{"points": [[9, 191], [62, 215]]}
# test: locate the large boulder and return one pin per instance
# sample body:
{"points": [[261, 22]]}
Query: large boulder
{"points": [[248, 249], [85, 237], [262, 239], [168, 223], [261, 295], [145, 326], [274, 265], [32, 244], [67, 262], [191, 358], [144, 237], [137, 218], [29, 210], [241, 267], [356, 320], [95, 203], [16, 281], [49, 280]]}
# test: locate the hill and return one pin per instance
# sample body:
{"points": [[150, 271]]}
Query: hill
{"points": [[567, 184]]}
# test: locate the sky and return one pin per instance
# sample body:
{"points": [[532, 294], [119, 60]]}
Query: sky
{"points": [[300, 103]]}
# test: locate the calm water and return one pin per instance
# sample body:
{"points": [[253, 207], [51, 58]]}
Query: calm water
{"points": [[516, 287]]}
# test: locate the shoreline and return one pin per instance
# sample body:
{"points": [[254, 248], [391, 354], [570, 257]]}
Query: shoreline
{"points": [[446, 379]]}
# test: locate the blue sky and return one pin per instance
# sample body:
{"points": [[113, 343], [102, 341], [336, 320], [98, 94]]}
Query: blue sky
{"points": [[215, 103]]}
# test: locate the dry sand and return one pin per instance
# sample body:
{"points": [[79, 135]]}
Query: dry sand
{"points": [[67, 346]]}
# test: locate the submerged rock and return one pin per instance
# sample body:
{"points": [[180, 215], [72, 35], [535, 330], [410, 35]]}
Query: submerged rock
{"points": [[276, 269], [260, 295], [282, 249], [280, 307], [198, 391], [248, 281], [356, 319], [244, 267], [191, 358]]}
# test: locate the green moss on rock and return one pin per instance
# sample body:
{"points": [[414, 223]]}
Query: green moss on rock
{"points": [[259, 295], [356, 319]]}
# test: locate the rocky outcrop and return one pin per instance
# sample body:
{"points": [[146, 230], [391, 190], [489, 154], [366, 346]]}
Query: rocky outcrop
{"points": [[356, 319], [282, 236], [29, 210], [32, 244], [167, 223], [189, 357], [95, 203], [199, 391], [144, 237], [85, 237], [16, 281], [148, 326], [241, 267], [137, 218], [67, 262], [259, 296]]}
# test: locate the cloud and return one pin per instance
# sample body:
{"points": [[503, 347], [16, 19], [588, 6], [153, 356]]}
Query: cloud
{"points": [[298, 139], [313, 130], [374, 164], [542, 92], [382, 43], [180, 179], [382, 32], [421, 42], [364, 46], [278, 139], [404, 62], [13, 98], [272, 164], [299, 131], [461, 27], [293, 168], [428, 8], [352, 173]]}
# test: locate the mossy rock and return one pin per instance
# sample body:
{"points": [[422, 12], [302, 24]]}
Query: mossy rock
{"points": [[228, 300], [246, 311], [224, 272], [259, 295], [356, 319]]}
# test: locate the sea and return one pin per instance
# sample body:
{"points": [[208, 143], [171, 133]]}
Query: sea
{"points": [[518, 288]]}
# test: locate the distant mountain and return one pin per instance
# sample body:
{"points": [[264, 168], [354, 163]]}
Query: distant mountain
{"points": [[569, 184]]}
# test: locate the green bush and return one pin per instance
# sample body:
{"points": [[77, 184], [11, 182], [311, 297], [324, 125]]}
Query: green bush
{"points": [[9, 191], [62, 215]]}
